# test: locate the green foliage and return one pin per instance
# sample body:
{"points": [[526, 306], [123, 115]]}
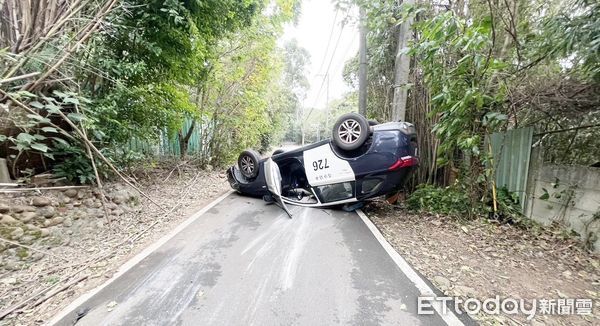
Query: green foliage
{"points": [[573, 35], [293, 88], [383, 18], [244, 96], [75, 165], [509, 209], [455, 201], [482, 67], [38, 135], [141, 112], [172, 39], [463, 85], [449, 200], [153, 53], [27, 142]]}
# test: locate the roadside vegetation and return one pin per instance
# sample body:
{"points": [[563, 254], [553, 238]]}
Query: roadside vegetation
{"points": [[93, 90], [479, 68], [84, 83]]}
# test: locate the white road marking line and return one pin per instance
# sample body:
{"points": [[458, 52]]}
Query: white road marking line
{"points": [[136, 259], [450, 318]]}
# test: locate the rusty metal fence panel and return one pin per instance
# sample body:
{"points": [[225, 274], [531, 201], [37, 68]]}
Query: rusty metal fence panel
{"points": [[511, 155]]}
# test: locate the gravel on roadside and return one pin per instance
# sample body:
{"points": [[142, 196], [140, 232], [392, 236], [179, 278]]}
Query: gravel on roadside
{"points": [[480, 259], [88, 256]]}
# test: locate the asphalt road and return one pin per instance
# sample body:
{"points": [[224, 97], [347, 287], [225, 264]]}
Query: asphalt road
{"points": [[246, 263]]}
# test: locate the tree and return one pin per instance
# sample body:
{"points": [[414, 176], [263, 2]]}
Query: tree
{"points": [[137, 70], [296, 85], [243, 101], [482, 67]]}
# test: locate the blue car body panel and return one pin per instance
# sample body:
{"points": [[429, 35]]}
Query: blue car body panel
{"points": [[379, 167]]}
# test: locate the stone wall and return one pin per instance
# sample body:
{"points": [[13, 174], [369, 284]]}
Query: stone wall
{"points": [[567, 194], [26, 217]]}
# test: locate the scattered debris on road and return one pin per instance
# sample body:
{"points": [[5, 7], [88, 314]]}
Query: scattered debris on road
{"points": [[36, 284]]}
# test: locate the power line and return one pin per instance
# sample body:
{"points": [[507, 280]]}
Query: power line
{"points": [[337, 42], [328, 41], [342, 63]]}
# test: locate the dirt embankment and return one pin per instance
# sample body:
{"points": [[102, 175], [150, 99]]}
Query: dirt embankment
{"points": [[64, 245], [479, 259]]}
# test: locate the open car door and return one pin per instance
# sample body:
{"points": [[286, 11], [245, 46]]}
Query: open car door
{"points": [[273, 178]]}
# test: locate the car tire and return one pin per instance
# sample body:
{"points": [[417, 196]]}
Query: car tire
{"points": [[248, 163], [350, 131], [277, 152]]}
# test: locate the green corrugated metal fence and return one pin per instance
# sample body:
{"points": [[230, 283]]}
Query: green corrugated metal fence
{"points": [[511, 154], [168, 145]]}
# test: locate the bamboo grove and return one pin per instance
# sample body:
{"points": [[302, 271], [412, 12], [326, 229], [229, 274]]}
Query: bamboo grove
{"points": [[479, 67], [80, 79]]}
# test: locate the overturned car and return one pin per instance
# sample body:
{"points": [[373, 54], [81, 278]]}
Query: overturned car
{"points": [[362, 160]]}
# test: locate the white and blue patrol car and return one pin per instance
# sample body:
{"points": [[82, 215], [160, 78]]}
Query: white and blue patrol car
{"points": [[363, 160]]}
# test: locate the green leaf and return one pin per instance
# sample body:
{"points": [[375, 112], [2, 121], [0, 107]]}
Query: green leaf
{"points": [[50, 129], [71, 100], [546, 195], [76, 117], [39, 118], [438, 97], [61, 141], [59, 94], [40, 147], [36, 105], [53, 108], [21, 94], [25, 138]]}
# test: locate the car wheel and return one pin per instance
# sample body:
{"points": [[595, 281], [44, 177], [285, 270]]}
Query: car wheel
{"points": [[277, 152], [248, 163], [350, 131]]}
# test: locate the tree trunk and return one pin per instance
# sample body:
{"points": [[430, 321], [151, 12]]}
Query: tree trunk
{"points": [[184, 141], [362, 70], [402, 68]]}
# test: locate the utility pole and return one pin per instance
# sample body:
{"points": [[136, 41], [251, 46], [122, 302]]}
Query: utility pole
{"points": [[318, 132], [402, 68], [301, 120], [362, 68], [327, 103]]}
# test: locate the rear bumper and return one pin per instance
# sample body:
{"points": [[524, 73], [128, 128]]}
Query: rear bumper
{"points": [[380, 184]]}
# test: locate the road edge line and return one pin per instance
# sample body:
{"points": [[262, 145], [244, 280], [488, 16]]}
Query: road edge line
{"points": [[449, 317], [129, 264]]}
